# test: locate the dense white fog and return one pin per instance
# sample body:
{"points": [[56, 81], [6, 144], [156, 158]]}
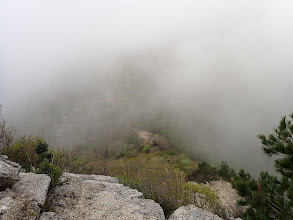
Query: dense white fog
{"points": [[222, 70]]}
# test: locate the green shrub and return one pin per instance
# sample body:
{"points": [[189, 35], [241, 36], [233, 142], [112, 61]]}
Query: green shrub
{"points": [[28, 151], [129, 151], [42, 146], [53, 171], [226, 172], [205, 173], [185, 162], [87, 162], [146, 149], [172, 152], [23, 152]]}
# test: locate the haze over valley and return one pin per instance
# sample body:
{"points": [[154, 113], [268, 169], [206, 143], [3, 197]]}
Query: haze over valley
{"points": [[210, 75]]}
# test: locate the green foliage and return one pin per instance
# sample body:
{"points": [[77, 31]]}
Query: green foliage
{"points": [[270, 197], [53, 171], [88, 162], [159, 178], [172, 152], [159, 172], [205, 173], [226, 172], [33, 214], [180, 161], [129, 151], [42, 146], [185, 162], [146, 149], [32, 153], [23, 152], [154, 177], [281, 143]]}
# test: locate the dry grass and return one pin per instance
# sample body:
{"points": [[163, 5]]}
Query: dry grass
{"points": [[161, 181]]}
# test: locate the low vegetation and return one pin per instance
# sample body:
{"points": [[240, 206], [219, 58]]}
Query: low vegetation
{"points": [[33, 154], [165, 173], [159, 170]]}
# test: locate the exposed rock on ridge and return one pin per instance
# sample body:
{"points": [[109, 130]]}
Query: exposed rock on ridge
{"points": [[99, 197], [24, 199], [228, 197], [190, 212], [79, 197], [8, 172]]}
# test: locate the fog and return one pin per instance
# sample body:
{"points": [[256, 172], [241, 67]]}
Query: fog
{"points": [[220, 71]]}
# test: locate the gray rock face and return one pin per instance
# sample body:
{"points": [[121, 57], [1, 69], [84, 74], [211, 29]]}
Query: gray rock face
{"points": [[228, 197], [50, 216], [99, 178], [190, 212], [6, 204], [26, 197], [33, 187], [8, 173], [99, 197]]}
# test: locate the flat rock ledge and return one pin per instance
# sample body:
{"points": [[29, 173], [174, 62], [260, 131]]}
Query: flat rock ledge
{"points": [[99, 197]]}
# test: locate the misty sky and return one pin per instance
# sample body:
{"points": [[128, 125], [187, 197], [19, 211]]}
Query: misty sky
{"points": [[230, 63]]}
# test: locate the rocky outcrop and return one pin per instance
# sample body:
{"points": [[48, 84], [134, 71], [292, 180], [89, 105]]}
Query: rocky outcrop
{"points": [[99, 197], [190, 212], [22, 196], [8, 172], [33, 187], [227, 196], [26, 198], [25, 195], [50, 216]]}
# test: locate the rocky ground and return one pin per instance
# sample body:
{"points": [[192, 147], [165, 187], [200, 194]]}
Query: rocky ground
{"points": [[192, 213], [228, 197], [23, 195], [100, 197]]}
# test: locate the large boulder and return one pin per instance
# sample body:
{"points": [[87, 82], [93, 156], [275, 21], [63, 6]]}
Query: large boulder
{"points": [[22, 195], [26, 198], [99, 197], [190, 212], [8, 172], [33, 187]]}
